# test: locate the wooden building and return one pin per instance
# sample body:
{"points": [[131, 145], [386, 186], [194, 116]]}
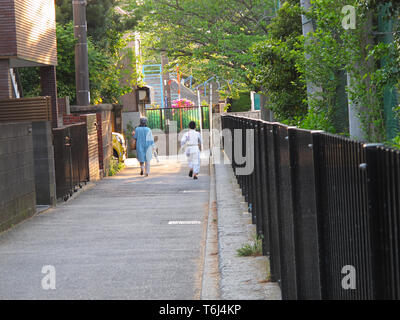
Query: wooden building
{"points": [[28, 39]]}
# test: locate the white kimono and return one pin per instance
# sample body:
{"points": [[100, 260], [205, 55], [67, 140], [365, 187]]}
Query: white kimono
{"points": [[192, 140]]}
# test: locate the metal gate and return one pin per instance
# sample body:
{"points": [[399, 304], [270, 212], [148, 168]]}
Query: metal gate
{"points": [[161, 118]]}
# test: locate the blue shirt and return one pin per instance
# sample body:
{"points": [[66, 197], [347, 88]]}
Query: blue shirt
{"points": [[144, 143]]}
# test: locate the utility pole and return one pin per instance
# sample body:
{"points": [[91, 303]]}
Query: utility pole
{"points": [[200, 117], [354, 108], [81, 53], [210, 112], [166, 79]]}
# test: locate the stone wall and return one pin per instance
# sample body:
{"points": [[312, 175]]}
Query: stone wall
{"points": [[17, 174]]}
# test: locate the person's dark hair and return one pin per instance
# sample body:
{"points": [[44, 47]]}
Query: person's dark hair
{"points": [[192, 125], [143, 122]]}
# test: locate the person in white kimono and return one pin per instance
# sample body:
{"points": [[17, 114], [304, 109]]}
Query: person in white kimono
{"points": [[192, 140]]}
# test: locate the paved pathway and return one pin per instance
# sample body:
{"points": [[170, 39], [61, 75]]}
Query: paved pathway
{"points": [[114, 240]]}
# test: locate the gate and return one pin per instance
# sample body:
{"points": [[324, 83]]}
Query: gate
{"points": [[161, 118], [71, 159]]}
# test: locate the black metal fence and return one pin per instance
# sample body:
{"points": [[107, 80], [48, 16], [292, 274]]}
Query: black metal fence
{"points": [[327, 208], [71, 159]]}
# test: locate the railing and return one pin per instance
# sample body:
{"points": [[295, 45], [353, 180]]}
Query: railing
{"points": [[161, 118], [327, 208], [71, 159]]}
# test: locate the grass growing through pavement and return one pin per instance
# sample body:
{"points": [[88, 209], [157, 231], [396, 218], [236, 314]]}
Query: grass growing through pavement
{"points": [[251, 249]]}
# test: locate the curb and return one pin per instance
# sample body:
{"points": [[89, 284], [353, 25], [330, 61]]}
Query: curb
{"points": [[241, 278], [210, 282]]}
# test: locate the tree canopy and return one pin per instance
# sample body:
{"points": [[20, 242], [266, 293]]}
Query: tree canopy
{"points": [[207, 38]]}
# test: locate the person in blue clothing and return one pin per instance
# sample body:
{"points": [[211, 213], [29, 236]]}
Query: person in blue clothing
{"points": [[144, 146]]}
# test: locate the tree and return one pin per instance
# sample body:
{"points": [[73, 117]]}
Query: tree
{"points": [[105, 72], [105, 23], [276, 69], [333, 50], [288, 60], [106, 50], [104, 69], [206, 38]]}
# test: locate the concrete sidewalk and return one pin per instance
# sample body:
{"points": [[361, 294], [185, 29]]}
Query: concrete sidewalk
{"points": [[241, 278], [165, 237], [115, 240]]}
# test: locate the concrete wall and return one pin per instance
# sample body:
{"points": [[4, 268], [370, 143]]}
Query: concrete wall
{"points": [[132, 118], [17, 180], [43, 153], [249, 114]]}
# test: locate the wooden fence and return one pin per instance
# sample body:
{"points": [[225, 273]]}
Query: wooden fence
{"points": [[25, 109]]}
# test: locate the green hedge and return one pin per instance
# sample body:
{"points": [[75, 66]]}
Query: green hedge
{"points": [[242, 104]]}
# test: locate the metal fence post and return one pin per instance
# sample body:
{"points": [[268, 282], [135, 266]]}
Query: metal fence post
{"points": [[285, 215], [305, 214], [374, 212], [252, 176], [264, 190], [257, 178], [273, 186]]}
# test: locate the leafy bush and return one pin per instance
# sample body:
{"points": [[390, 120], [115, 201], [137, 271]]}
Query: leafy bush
{"points": [[115, 167], [241, 103], [276, 71]]}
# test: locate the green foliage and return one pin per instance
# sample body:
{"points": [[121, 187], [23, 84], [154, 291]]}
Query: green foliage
{"points": [[105, 23], [66, 61], [331, 49], [104, 73], [30, 81], [206, 37], [320, 58], [105, 69], [241, 103], [276, 71], [313, 120], [253, 248], [107, 49], [287, 60], [115, 167]]}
